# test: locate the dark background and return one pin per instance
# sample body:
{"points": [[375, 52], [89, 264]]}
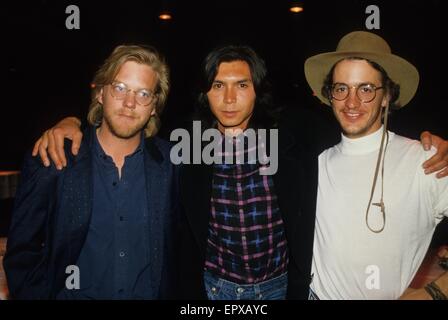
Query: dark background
{"points": [[48, 67]]}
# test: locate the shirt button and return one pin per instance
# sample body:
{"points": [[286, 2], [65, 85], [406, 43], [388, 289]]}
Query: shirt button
{"points": [[120, 291], [121, 219], [114, 183], [239, 290], [243, 238], [122, 254]]}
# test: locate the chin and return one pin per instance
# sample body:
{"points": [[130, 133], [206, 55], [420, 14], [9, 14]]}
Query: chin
{"points": [[354, 132], [231, 125], [125, 132]]}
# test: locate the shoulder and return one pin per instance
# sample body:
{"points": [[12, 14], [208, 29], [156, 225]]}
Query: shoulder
{"points": [[159, 150], [35, 177], [314, 128], [409, 148], [164, 146], [330, 153], [294, 118]]}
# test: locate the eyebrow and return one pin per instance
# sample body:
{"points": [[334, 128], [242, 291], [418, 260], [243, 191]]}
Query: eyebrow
{"points": [[119, 81], [357, 84], [239, 81]]}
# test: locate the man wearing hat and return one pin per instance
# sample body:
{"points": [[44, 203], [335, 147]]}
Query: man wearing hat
{"points": [[376, 209]]}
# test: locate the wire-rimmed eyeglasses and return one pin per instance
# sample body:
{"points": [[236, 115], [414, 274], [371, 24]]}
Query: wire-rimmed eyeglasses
{"points": [[143, 97], [365, 92]]}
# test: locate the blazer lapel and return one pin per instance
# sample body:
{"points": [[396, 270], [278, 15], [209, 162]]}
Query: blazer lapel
{"points": [[286, 182], [74, 213], [296, 186], [156, 183], [195, 194]]}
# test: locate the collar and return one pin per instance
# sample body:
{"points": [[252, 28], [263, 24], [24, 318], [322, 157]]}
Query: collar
{"points": [[99, 151], [363, 145]]}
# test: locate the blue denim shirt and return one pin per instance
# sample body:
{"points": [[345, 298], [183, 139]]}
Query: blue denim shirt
{"points": [[115, 252]]}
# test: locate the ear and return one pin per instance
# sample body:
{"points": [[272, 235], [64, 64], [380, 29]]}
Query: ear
{"points": [[385, 100], [99, 95], [153, 112]]}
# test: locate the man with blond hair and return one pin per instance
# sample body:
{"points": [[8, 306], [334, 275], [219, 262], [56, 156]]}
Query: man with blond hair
{"points": [[103, 227]]}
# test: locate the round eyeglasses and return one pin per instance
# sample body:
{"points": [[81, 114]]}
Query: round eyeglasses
{"points": [[143, 97], [365, 92]]}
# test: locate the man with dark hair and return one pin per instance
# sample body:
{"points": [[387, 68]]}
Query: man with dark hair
{"points": [[236, 241], [103, 228], [265, 114]]}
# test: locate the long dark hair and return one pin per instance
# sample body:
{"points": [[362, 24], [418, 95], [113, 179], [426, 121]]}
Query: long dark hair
{"points": [[265, 115]]}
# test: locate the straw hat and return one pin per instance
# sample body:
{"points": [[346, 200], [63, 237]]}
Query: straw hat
{"points": [[368, 46]]}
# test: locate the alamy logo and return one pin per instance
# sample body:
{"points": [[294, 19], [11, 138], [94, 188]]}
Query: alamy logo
{"points": [[373, 21], [73, 20], [73, 280], [373, 278], [232, 147]]}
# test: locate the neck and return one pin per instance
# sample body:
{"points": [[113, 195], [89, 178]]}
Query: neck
{"points": [[365, 144], [232, 132], [115, 147], [368, 133]]}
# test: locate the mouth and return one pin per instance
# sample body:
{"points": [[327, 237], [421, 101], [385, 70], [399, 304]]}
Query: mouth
{"points": [[352, 116], [229, 114], [126, 116]]}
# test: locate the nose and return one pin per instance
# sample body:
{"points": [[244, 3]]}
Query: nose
{"points": [[129, 100], [229, 96], [352, 100]]}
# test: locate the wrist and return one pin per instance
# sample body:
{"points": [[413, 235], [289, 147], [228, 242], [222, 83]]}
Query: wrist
{"points": [[435, 290], [442, 283]]}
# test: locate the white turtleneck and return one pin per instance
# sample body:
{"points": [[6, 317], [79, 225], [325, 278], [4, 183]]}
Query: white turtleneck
{"points": [[352, 262]]}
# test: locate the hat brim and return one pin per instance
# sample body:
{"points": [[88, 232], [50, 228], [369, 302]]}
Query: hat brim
{"points": [[398, 69]]}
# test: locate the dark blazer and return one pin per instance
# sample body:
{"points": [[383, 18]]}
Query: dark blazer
{"points": [[296, 186], [52, 213]]}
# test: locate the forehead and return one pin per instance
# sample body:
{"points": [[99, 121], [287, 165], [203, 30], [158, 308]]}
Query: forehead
{"points": [[134, 73], [233, 70], [352, 71]]}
